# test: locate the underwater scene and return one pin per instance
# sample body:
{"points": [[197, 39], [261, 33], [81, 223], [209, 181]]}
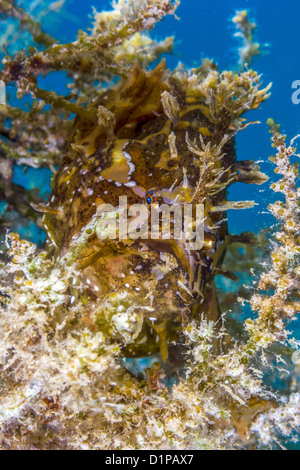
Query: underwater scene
{"points": [[149, 225]]}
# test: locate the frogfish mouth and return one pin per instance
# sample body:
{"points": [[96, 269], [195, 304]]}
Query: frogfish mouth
{"points": [[154, 139]]}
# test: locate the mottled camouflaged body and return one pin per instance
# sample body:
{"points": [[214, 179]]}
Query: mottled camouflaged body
{"points": [[129, 153]]}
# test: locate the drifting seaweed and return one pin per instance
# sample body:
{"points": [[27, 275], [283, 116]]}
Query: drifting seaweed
{"points": [[73, 311]]}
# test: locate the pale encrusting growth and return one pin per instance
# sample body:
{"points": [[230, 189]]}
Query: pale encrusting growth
{"points": [[245, 29], [59, 374], [283, 279], [66, 334]]}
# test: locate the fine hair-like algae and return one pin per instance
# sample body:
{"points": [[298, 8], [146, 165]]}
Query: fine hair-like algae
{"points": [[75, 312]]}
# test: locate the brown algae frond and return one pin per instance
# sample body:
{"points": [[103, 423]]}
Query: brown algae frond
{"points": [[74, 311]]}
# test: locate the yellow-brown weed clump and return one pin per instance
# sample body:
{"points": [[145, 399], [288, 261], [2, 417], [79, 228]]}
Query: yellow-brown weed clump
{"points": [[74, 313]]}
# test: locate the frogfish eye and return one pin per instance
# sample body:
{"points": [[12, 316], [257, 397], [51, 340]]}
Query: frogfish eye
{"points": [[151, 197], [149, 200]]}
